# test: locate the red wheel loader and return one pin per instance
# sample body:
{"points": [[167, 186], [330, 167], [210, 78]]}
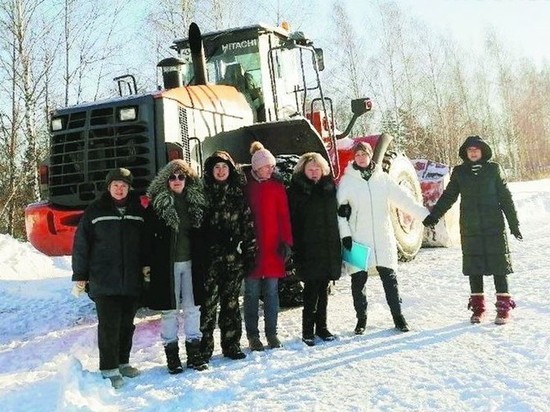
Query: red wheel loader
{"points": [[224, 90]]}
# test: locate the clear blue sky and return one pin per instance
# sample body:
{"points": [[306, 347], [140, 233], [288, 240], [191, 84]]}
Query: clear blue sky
{"points": [[523, 24]]}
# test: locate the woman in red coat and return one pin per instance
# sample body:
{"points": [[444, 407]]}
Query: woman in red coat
{"points": [[269, 205]]}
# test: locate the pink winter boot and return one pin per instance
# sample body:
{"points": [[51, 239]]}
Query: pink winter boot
{"points": [[477, 305], [504, 304]]}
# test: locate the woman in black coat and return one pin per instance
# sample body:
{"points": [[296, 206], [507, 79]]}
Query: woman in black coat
{"points": [[317, 249], [485, 201], [106, 257], [173, 245]]}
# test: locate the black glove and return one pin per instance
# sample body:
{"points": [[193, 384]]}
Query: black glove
{"points": [[344, 211], [347, 242], [285, 251], [430, 221], [516, 233]]}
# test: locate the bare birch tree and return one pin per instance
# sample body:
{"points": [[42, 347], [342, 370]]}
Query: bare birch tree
{"points": [[21, 31], [92, 46], [397, 63], [345, 74], [531, 110], [506, 92]]}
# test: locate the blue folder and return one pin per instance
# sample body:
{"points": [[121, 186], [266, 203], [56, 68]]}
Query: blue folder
{"points": [[358, 256]]}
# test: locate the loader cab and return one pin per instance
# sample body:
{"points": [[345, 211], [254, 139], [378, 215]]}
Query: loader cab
{"points": [[277, 71]]}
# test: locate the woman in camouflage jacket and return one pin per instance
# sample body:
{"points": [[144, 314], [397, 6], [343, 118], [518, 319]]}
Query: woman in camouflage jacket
{"points": [[230, 244]]}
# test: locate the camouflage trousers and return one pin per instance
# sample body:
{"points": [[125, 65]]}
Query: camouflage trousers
{"points": [[223, 286]]}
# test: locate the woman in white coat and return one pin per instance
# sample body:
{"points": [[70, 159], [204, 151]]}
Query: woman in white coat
{"points": [[364, 196]]}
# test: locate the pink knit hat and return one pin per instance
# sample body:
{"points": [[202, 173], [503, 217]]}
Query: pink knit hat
{"points": [[261, 156]]}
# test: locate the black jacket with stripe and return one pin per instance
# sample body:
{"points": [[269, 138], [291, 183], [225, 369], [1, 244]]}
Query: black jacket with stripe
{"points": [[107, 249]]}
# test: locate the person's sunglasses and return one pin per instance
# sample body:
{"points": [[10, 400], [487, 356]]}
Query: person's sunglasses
{"points": [[181, 178]]}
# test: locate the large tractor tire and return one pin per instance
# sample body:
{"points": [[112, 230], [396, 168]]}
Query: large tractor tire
{"points": [[408, 230]]}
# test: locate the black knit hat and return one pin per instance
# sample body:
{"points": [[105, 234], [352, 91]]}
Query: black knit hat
{"points": [[121, 174]]}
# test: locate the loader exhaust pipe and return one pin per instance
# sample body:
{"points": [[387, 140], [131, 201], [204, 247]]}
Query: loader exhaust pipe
{"points": [[171, 72], [197, 54], [381, 147]]}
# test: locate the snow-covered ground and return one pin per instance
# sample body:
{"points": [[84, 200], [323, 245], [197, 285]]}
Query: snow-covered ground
{"points": [[48, 354]]}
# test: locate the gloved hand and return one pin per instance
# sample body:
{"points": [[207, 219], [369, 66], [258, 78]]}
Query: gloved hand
{"points": [[516, 233], [347, 242], [344, 211], [285, 251], [430, 221], [146, 270], [78, 288]]}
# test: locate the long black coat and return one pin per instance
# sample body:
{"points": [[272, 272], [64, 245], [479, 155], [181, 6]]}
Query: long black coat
{"points": [[484, 198], [107, 246], [313, 211], [160, 251], [161, 229]]}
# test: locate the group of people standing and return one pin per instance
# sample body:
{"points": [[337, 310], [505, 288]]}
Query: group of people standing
{"points": [[189, 250]]}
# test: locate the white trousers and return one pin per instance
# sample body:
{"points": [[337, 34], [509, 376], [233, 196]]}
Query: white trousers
{"points": [[185, 301]]}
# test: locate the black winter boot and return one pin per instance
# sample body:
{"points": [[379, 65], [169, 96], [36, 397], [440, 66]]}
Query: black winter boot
{"points": [[234, 352], [173, 358], [307, 329], [391, 289], [255, 344], [207, 347], [321, 329], [194, 357], [273, 342], [325, 334], [400, 323], [361, 326]]}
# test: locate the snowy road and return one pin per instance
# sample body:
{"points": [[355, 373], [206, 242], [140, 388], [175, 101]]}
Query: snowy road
{"points": [[48, 355]]}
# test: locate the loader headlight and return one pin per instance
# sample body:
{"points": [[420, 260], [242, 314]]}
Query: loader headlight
{"points": [[126, 114], [57, 124]]}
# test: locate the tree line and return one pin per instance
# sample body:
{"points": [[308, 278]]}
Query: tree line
{"points": [[432, 93], [429, 93]]}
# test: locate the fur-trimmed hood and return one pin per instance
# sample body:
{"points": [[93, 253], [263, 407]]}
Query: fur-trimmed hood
{"points": [[236, 176], [475, 141], [163, 199]]}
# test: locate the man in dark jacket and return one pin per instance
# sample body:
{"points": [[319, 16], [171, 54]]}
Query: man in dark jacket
{"points": [[106, 257], [484, 198]]}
